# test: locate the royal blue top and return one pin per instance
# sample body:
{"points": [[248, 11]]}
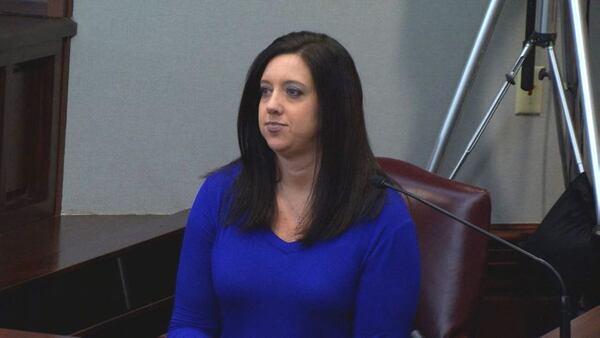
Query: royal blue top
{"points": [[363, 283]]}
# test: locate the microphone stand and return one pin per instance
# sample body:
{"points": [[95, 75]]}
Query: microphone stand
{"points": [[565, 322]]}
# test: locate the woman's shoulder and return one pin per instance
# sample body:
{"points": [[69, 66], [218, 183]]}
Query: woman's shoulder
{"points": [[392, 232], [217, 184], [394, 208], [211, 199], [394, 217], [224, 176]]}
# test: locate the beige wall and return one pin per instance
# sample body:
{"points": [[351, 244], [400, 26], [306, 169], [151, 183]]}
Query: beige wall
{"points": [[154, 88]]}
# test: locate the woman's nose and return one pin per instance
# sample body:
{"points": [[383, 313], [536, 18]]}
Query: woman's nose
{"points": [[274, 105]]}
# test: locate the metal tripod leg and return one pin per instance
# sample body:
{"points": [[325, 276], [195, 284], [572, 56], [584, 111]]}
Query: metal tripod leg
{"points": [[483, 37], [560, 90], [494, 106], [587, 99]]}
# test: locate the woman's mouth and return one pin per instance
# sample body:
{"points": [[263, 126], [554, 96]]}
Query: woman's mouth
{"points": [[274, 127]]}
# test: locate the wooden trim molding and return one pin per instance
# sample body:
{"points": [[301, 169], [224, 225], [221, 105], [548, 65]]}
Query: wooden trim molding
{"points": [[48, 8], [62, 123], [514, 232]]}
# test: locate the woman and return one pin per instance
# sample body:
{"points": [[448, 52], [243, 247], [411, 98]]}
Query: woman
{"points": [[291, 240]]}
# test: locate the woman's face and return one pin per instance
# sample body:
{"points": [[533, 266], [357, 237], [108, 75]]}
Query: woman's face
{"points": [[287, 112]]}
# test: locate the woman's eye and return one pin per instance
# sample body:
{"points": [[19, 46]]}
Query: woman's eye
{"points": [[294, 92], [264, 91]]}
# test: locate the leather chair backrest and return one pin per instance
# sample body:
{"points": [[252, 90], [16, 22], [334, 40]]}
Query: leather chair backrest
{"points": [[453, 257]]}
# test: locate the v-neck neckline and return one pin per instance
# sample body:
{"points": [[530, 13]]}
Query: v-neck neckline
{"points": [[287, 247]]}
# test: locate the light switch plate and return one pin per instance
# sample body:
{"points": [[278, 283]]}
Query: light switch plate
{"points": [[529, 103]]}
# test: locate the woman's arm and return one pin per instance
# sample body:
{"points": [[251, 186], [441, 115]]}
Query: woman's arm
{"points": [[388, 291], [196, 312]]}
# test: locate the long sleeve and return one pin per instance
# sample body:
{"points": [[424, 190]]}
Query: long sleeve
{"points": [[389, 285], [195, 313]]}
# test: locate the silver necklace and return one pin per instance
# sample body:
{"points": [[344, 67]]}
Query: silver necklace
{"points": [[300, 216]]}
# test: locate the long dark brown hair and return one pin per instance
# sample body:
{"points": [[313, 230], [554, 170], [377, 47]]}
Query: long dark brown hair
{"points": [[341, 192]]}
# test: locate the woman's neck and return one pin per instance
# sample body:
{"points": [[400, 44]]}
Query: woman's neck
{"points": [[297, 174]]}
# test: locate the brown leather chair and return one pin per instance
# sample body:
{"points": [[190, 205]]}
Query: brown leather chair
{"points": [[453, 257]]}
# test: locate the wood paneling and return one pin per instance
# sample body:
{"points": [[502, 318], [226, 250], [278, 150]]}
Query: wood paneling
{"points": [[32, 116], [62, 122], [27, 130], [51, 8], [511, 305]]}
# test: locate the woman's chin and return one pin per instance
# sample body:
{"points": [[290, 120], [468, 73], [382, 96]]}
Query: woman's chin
{"points": [[276, 144], [279, 150]]}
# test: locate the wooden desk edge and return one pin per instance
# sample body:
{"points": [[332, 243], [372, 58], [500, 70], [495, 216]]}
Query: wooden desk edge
{"points": [[6, 333], [584, 326]]}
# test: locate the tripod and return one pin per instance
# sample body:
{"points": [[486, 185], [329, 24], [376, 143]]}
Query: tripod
{"points": [[544, 36]]}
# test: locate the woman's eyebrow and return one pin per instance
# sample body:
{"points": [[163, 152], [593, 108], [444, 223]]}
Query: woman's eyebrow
{"points": [[286, 83], [292, 82]]}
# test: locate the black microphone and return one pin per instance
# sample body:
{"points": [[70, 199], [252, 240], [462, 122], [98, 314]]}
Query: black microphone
{"points": [[565, 323]]}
